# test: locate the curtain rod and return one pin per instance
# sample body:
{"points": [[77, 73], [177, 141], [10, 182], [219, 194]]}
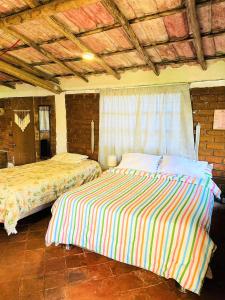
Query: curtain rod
{"points": [[125, 87]]}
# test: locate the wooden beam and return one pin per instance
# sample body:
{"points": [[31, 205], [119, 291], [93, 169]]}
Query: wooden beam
{"points": [[41, 50], [116, 13], [42, 11], [30, 78], [18, 62], [32, 3], [8, 85], [65, 30], [191, 12]]}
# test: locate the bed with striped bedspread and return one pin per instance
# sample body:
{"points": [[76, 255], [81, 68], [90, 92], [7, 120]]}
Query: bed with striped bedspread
{"points": [[159, 222]]}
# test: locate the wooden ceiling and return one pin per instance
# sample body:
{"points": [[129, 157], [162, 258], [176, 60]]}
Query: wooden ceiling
{"points": [[42, 41]]}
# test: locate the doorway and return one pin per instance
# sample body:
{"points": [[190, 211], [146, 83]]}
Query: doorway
{"points": [[23, 131]]}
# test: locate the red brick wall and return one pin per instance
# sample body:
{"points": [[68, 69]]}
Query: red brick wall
{"points": [[81, 109], [6, 134], [212, 142]]}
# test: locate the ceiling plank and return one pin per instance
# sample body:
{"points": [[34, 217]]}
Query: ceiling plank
{"points": [[18, 62], [116, 13], [42, 11], [46, 53], [192, 13], [69, 35], [65, 30], [136, 20], [28, 77]]}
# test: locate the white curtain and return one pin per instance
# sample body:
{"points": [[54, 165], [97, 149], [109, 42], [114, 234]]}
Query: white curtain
{"points": [[154, 120], [44, 122]]}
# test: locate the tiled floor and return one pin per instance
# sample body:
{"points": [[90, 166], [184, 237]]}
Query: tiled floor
{"points": [[29, 270]]}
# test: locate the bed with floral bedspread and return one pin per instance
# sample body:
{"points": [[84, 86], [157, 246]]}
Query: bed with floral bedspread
{"points": [[24, 188]]}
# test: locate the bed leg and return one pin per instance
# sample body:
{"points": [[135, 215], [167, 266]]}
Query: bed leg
{"points": [[209, 273]]}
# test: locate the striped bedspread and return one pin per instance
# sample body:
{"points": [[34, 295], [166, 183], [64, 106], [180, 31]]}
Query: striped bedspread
{"points": [[159, 222]]}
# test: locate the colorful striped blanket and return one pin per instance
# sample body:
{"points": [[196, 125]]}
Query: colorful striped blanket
{"points": [[159, 222]]}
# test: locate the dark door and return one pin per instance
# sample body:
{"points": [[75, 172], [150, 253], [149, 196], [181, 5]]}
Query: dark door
{"points": [[24, 141]]}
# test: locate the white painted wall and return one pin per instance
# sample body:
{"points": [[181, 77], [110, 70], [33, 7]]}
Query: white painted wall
{"points": [[213, 76]]}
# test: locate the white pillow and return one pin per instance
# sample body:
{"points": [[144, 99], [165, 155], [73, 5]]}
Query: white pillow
{"points": [[184, 166], [70, 158], [140, 161]]}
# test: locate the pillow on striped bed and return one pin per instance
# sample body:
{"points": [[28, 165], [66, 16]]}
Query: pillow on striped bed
{"points": [[184, 166]]}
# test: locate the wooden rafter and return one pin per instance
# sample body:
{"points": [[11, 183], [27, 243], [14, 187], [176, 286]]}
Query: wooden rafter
{"points": [[32, 3], [64, 29], [42, 51], [42, 11], [117, 14], [191, 11], [8, 85], [18, 62], [28, 77]]}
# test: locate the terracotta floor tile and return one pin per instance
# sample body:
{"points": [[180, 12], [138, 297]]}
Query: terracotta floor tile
{"points": [[96, 272], [8, 258], [31, 285], [161, 291], [148, 278], [39, 234], [74, 250], [56, 279], [76, 261], [94, 258], [53, 251], [129, 281], [120, 268], [35, 244], [19, 237], [9, 290], [10, 273], [83, 291], [55, 264], [33, 296], [33, 269], [34, 256], [56, 294]]}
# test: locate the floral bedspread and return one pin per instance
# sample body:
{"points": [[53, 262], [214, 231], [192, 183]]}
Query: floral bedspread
{"points": [[26, 187]]}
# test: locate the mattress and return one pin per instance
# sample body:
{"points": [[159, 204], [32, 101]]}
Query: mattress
{"points": [[24, 188], [159, 222]]}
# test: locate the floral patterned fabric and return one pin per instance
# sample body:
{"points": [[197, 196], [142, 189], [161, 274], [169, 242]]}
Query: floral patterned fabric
{"points": [[26, 187]]}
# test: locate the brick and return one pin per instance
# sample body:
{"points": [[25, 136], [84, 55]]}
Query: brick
{"points": [[219, 139], [214, 159], [205, 112], [215, 132], [219, 167], [217, 146], [219, 153], [206, 138], [217, 173], [208, 152]]}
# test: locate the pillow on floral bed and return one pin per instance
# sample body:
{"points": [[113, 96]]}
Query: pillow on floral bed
{"points": [[69, 157]]}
